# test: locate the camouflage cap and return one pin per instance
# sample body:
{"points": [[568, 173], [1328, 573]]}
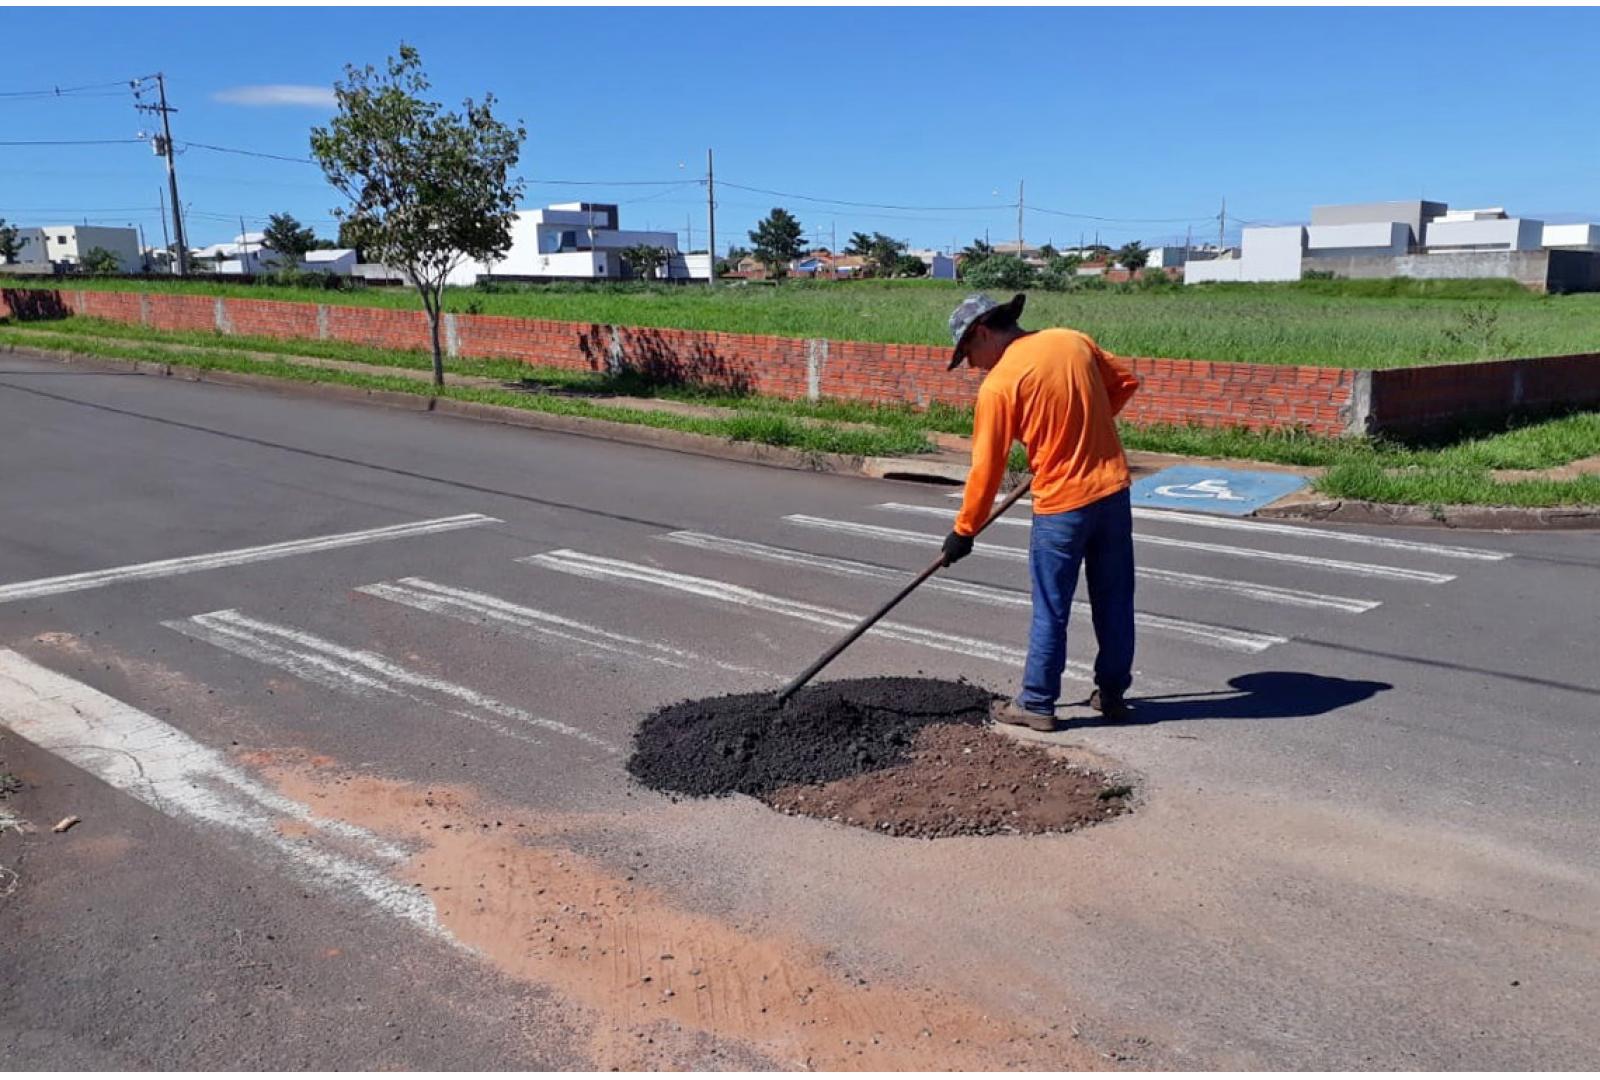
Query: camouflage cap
{"points": [[969, 313]]}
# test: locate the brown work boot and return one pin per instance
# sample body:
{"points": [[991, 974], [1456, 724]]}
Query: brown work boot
{"points": [[1110, 705], [1009, 712]]}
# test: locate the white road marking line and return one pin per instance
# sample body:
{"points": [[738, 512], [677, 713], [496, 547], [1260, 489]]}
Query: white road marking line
{"points": [[1280, 528], [1374, 570], [483, 609], [1220, 636], [10, 820], [1276, 528], [188, 564], [1274, 594], [360, 672], [162, 767], [596, 568]]}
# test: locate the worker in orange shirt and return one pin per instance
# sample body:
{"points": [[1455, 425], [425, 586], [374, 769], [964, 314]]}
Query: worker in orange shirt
{"points": [[1058, 393]]}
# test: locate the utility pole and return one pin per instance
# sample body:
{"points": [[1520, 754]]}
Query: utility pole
{"points": [[244, 248], [144, 259], [688, 228], [711, 216], [833, 251], [166, 241], [164, 147], [1019, 219], [1222, 224]]}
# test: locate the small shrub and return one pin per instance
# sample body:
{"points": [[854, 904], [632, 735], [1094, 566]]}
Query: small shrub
{"points": [[1317, 275], [1001, 272]]}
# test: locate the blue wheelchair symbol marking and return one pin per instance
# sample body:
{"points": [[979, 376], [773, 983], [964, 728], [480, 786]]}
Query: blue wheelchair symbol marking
{"points": [[1213, 491]]}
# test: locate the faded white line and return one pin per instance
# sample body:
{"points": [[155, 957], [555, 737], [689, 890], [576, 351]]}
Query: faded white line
{"points": [[189, 564], [1223, 637], [484, 609], [1373, 570], [162, 767], [1268, 593], [1306, 532], [360, 672], [597, 568]]}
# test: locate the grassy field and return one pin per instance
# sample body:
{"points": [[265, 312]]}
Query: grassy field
{"points": [[1338, 323], [1459, 471]]}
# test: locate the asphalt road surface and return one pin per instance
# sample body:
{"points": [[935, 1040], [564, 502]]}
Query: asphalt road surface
{"points": [[342, 696]]}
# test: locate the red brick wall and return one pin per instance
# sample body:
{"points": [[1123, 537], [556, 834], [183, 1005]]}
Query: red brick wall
{"points": [[1421, 399], [270, 318], [1328, 401]]}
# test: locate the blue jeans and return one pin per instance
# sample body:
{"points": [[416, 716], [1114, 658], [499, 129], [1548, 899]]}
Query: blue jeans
{"points": [[1100, 537]]}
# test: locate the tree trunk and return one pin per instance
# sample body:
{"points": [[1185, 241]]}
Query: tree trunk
{"points": [[431, 304]]}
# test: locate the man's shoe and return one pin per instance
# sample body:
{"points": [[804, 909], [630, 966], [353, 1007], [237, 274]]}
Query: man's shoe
{"points": [[1009, 712], [1109, 705]]}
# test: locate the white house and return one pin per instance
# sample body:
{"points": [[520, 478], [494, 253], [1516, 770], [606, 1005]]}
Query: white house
{"points": [[1582, 237], [341, 261], [246, 253], [70, 243], [579, 241], [1266, 254], [1482, 230]]}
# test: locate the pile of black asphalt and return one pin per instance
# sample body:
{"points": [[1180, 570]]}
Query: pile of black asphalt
{"points": [[748, 744]]}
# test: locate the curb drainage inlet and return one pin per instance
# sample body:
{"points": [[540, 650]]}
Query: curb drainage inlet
{"points": [[901, 756]]}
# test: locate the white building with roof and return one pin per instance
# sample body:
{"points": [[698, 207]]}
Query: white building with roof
{"points": [[68, 244], [579, 242]]}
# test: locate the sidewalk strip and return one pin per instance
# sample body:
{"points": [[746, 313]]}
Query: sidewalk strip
{"points": [[483, 609], [361, 673], [1278, 528], [167, 770], [596, 568], [1222, 637], [1373, 570], [94, 579], [1274, 594]]}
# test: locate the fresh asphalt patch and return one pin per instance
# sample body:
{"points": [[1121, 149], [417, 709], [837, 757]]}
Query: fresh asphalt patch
{"points": [[903, 756]]}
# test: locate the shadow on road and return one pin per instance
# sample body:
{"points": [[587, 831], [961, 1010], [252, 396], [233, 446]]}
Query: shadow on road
{"points": [[1262, 695]]}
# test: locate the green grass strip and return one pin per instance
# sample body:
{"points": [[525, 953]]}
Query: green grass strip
{"points": [[768, 430]]}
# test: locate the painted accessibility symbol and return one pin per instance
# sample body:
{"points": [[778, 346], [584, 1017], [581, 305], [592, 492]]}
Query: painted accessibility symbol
{"points": [[1213, 488]]}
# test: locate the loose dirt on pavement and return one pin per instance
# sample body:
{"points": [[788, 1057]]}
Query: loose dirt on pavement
{"points": [[653, 977], [901, 756]]}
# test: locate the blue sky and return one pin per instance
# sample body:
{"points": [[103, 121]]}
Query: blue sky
{"points": [[1122, 114]]}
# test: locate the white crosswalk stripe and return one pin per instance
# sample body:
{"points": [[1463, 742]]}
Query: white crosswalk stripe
{"points": [[1274, 594], [597, 568], [175, 775], [483, 609], [188, 564], [1223, 637], [362, 673], [1372, 570], [1300, 532]]}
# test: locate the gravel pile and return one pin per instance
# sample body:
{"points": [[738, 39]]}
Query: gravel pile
{"points": [[747, 744]]}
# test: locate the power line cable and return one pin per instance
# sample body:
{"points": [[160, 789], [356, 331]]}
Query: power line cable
{"points": [[66, 142], [247, 153], [63, 91], [866, 205]]}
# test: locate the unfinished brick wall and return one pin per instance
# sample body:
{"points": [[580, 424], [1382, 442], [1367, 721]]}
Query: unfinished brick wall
{"points": [[1327, 401]]}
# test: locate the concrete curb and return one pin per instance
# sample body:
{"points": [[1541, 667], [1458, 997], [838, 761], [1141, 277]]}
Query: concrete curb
{"points": [[943, 472], [1496, 518]]}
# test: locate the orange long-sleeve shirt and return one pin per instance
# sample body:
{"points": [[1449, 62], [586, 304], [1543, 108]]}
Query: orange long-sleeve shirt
{"points": [[1058, 392]]}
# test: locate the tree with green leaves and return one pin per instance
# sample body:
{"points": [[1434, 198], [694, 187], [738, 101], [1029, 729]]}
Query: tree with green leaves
{"points": [[909, 266], [1048, 252], [428, 189], [644, 259], [776, 240], [10, 243], [100, 262], [1001, 272], [974, 254], [860, 245], [1132, 256], [288, 237]]}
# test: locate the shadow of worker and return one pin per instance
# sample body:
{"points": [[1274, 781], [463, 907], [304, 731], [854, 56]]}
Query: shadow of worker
{"points": [[1261, 695]]}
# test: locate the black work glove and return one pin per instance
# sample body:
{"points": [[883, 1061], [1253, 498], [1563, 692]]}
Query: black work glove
{"points": [[956, 548]]}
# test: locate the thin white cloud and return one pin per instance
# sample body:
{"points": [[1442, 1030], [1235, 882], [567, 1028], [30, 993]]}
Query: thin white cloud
{"points": [[277, 94]]}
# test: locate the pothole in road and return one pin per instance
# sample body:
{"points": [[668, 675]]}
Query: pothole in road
{"points": [[901, 756]]}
